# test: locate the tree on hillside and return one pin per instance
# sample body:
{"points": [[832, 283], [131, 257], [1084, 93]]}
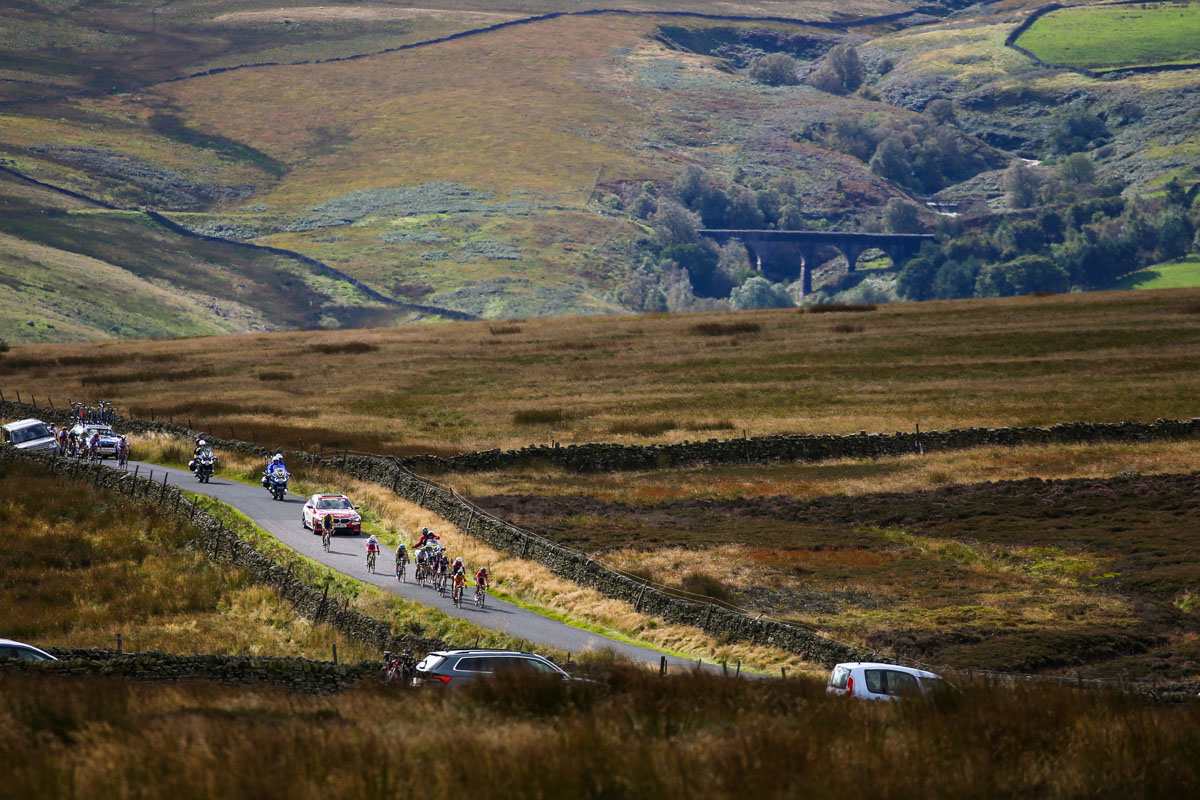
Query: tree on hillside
{"points": [[842, 72], [1021, 276], [843, 60], [674, 224], [758, 292], [700, 262], [1079, 130], [891, 161], [774, 69], [900, 216], [1020, 184], [1077, 169], [641, 291], [942, 112], [690, 184]]}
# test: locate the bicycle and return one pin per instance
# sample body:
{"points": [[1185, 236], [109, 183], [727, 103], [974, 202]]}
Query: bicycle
{"points": [[371, 561], [400, 565], [480, 596], [457, 595], [441, 584], [326, 538], [123, 458]]}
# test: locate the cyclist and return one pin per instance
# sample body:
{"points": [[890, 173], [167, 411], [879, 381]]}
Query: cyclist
{"points": [[401, 559], [326, 530], [94, 445], [460, 580], [122, 451], [372, 550], [481, 579]]}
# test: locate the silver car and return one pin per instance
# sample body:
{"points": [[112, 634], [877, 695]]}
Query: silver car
{"points": [[30, 434], [456, 667], [12, 649]]}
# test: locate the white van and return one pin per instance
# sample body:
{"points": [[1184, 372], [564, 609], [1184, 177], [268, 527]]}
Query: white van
{"points": [[30, 434], [875, 681]]}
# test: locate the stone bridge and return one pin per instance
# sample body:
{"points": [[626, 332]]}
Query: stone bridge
{"points": [[899, 247]]}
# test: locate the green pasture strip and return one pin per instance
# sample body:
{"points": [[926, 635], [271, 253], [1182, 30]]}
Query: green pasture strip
{"points": [[1112, 37], [1175, 275]]}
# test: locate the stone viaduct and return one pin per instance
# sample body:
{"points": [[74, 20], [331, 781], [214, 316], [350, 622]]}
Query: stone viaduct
{"points": [[761, 243]]}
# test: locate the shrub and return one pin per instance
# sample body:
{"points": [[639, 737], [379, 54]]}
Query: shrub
{"points": [[275, 375], [848, 327], [774, 69], [1021, 276], [539, 416], [725, 328], [758, 292], [503, 330], [345, 347], [900, 216], [705, 585], [652, 427]]}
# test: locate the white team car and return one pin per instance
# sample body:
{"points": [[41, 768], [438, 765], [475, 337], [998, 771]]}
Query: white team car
{"points": [[337, 506]]}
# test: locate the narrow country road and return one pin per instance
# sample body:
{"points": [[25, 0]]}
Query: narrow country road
{"points": [[347, 554]]}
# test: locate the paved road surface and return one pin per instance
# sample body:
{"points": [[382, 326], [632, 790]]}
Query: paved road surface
{"points": [[347, 554]]}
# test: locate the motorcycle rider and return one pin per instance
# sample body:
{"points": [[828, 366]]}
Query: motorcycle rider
{"points": [[426, 536], [276, 462], [200, 445]]}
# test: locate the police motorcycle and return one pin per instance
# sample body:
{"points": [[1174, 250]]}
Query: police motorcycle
{"points": [[275, 479], [203, 463]]}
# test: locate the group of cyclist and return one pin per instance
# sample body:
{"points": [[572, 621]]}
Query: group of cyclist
{"points": [[78, 445], [433, 566]]}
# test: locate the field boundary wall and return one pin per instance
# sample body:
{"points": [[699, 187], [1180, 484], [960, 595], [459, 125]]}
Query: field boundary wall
{"points": [[219, 543], [299, 675], [608, 457]]}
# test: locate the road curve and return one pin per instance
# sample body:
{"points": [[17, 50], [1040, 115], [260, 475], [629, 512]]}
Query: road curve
{"points": [[347, 555]]}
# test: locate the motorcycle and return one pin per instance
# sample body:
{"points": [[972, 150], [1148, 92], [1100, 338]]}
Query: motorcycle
{"points": [[203, 466], [277, 482]]}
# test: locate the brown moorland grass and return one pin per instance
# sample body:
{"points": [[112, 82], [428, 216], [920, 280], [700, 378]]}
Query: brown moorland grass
{"points": [[81, 566], [627, 734], [1019, 361], [1018, 575]]}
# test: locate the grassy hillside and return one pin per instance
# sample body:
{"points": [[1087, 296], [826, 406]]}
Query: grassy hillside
{"points": [[77, 273], [497, 174], [1111, 37]]}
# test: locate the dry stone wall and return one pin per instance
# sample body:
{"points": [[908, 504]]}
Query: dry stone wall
{"points": [[799, 447], [295, 674]]}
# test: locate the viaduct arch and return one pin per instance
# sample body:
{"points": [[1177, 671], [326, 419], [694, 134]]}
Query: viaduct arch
{"points": [[761, 243]]}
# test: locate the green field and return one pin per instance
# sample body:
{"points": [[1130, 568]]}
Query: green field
{"points": [[1112, 37], [1174, 275]]}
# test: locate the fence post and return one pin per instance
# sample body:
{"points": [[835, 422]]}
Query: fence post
{"points": [[120, 644], [783, 672], [18, 396], [335, 653], [725, 668], [152, 413], [739, 670], [662, 665]]}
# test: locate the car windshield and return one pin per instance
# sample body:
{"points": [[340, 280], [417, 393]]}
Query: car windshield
{"points": [[22, 435], [101, 431], [334, 502]]}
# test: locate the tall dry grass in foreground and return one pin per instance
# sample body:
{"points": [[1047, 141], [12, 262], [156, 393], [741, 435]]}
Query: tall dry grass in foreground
{"points": [[629, 734]]}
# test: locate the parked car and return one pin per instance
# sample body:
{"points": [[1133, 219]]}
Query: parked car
{"points": [[30, 434], [11, 649], [108, 439], [345, 518], [455, 667], [875, 681]]}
